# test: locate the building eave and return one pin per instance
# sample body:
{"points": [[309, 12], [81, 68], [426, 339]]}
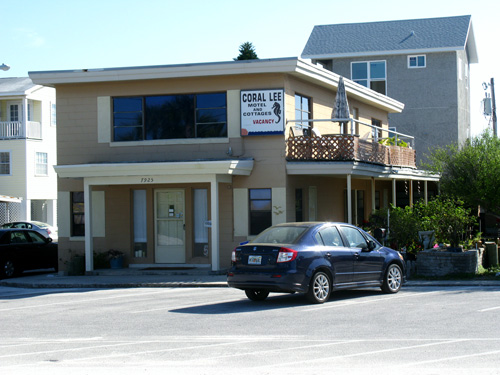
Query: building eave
{"points": [[358, 169], [294, 66], [218, 167]]}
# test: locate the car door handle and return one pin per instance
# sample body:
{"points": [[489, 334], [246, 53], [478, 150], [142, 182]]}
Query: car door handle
{"points": [[356, 255], [328, 255]]}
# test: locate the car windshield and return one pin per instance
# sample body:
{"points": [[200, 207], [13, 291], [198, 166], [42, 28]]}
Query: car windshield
{"points": [[286, 235]]}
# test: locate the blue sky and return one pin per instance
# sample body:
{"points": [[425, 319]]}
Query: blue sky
{"points": [[68, 34]]}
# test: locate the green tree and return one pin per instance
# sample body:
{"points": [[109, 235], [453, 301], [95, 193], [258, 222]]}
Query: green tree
{"points": [[472, 172], [247, 52]]}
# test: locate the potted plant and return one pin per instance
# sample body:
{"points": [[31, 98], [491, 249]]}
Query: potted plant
{"points": [[115, 259]]}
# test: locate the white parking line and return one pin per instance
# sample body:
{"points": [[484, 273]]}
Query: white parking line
{"points": [[334, 304], [80, 301], [490, 309]]}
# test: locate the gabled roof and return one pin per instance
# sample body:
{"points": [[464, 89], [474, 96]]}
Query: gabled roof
{"points": [[392, 37], [16, 86]]}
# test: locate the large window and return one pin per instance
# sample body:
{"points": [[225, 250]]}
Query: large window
{"points": [[77, 214], [4, 163], [370, 74], [169, 117], [41, 164], [260, 210]]}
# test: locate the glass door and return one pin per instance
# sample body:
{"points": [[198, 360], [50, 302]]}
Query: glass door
{"points": [[170, 241]]}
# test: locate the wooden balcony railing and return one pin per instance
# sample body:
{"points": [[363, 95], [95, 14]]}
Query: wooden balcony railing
{"points": [[347, 148]]}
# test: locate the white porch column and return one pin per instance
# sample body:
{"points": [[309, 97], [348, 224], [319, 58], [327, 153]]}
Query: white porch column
{"points": [[52, 212], [214, 218], [26, 210], [373, 194], [394, 192], [89, 243], [349, 200], [426, 196]]}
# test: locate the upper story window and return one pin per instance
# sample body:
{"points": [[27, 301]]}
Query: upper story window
{"points": [[302, 110], [417, 61], [169, 117], [5, 163], [41, 164], [370, 74]]}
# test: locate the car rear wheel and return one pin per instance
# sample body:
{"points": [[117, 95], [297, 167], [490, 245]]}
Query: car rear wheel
{"points": [[320, 288], [8, 268], [256, 294], [393, 279]]}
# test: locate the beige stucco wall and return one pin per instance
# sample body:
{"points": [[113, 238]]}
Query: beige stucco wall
{"points": [[84, 137]]}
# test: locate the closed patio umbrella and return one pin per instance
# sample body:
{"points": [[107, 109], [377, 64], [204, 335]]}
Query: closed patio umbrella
{"points": [[341, 108]]}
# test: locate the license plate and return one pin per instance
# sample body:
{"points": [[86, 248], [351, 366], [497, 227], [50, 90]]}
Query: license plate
{"points": [[254, 259]]}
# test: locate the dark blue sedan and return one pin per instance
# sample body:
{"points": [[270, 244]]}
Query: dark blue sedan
{"points": [[314, 258]]}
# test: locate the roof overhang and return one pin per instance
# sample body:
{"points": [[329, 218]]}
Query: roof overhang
{"points": [[8, 199], [361, 170], [233, 167], [293, 66]]}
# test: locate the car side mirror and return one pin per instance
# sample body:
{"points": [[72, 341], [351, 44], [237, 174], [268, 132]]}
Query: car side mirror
{"points": [[49, 239], [370, 246]]}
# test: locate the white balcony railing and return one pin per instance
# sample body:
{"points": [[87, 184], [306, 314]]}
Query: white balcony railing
{"points": [[19, 130]]}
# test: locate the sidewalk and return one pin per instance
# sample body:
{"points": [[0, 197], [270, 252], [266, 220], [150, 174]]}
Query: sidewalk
{"points": [[128, 278]]}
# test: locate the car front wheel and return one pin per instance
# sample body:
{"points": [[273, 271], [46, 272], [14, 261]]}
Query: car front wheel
{"points": [[256, 294], [320, 288], [393, 279]]}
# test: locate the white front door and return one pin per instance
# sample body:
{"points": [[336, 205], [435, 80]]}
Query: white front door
{"points": [[170, 238]]}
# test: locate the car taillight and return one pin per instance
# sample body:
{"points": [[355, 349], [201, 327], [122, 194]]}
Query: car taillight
{"points": [[286, 255]]}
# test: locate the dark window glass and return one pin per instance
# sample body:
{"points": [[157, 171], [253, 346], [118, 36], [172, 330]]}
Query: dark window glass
{"points": [[298, 205], [127, 119], [329, 237], [378, 86], [170, 117], [77, 214], [211, 100], [260, 210]]}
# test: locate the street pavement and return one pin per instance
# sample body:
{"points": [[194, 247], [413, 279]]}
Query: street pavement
{"points": [[131, 278]]}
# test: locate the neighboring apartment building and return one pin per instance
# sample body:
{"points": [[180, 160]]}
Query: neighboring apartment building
{"points": [[28, 182], [176, 165], [423, 63]]}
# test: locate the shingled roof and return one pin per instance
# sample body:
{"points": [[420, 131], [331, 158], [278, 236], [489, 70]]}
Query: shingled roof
{"points": [[392, 37]]}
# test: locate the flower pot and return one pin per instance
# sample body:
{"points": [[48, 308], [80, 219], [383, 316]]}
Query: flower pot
{"points": [[116, 263]]}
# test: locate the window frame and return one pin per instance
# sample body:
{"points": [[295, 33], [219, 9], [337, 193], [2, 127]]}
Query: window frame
{"points": [[38, 164], [300, 110], [77, 229], [417, 66], [257, 227], [368, 79], [9, 163], [196, 123]]}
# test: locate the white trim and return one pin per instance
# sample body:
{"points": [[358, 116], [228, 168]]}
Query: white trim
{"points": [[294, 66], [416, 57], [164, 171], [382, 53], [337, 168]]}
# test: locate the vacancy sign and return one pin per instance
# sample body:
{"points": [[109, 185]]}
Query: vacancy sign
{"points": [[262, 112]]}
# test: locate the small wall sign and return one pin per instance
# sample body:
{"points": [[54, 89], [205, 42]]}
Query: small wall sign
{"points": [[262, 112]]}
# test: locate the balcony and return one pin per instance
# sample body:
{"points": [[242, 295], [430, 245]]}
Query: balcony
{"points": [[20, 130], [339, 147]]}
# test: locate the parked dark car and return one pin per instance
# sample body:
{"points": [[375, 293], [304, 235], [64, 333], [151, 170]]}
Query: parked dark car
{"points": [[25, 249], [314, 258]]}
